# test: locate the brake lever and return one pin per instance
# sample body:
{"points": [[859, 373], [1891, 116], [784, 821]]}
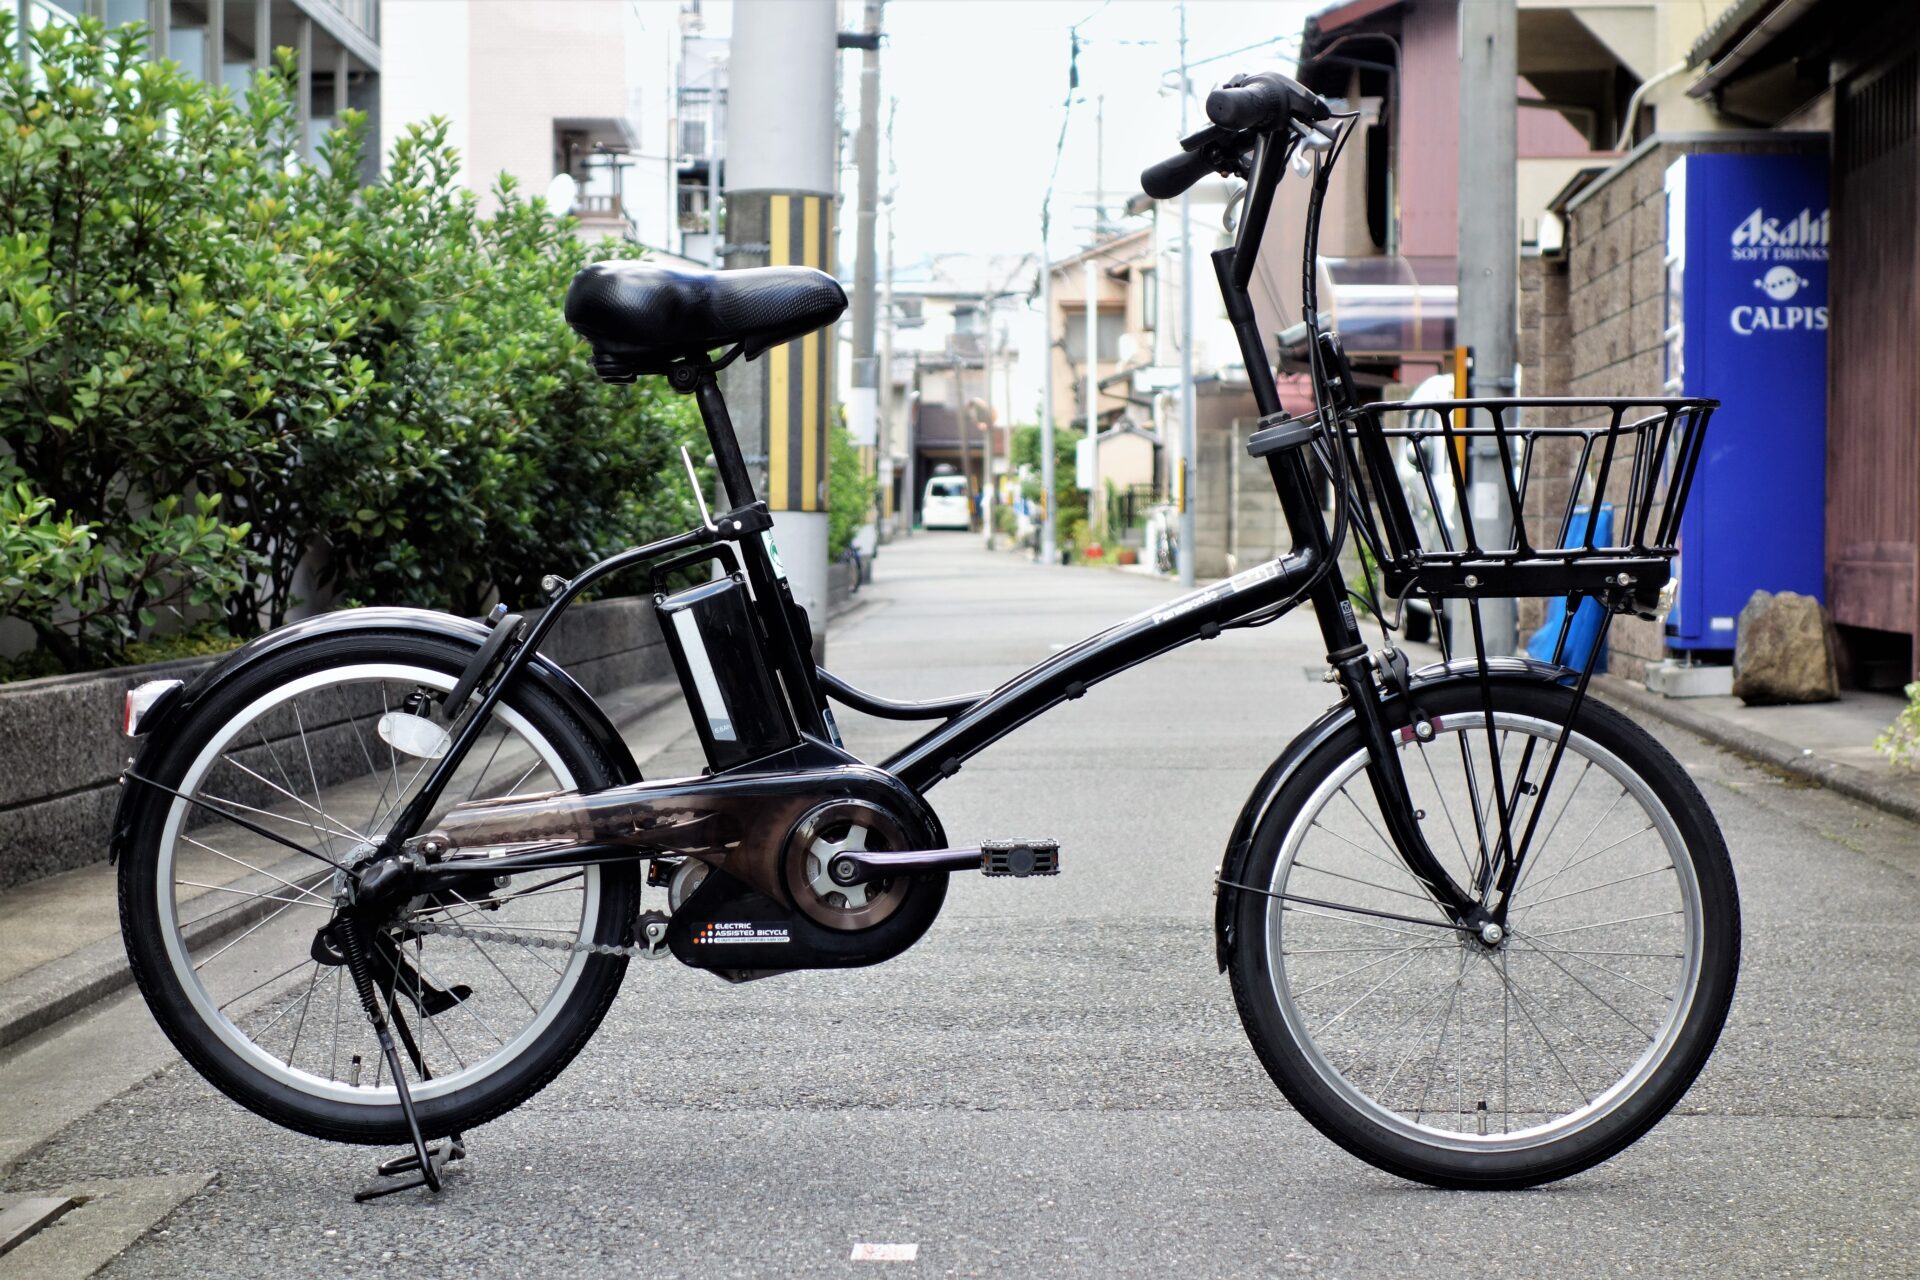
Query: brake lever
{"points": [[1311, 138]]}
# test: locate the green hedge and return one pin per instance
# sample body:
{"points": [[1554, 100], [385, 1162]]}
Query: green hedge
{"points": [[215, 359]]}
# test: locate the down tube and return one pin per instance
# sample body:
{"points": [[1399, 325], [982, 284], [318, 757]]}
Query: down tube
{"points": [[1068, 674]]}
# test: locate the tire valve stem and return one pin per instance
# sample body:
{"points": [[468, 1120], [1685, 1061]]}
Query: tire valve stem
{"points": [[353, 1072], [1480, 1113]]}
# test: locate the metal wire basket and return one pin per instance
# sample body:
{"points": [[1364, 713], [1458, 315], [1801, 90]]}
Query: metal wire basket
{"points": [[1585, 495]]}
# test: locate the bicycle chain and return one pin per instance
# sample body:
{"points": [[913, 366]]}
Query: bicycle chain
{"points": [[639, 951]]}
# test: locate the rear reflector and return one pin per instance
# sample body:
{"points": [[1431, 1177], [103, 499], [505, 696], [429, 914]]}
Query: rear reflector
{"points": [[141, 699]]}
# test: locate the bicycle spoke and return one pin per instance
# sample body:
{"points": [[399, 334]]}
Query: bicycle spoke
{"points": [[1340, 875], [1371, 964], [1440, 1049], [1537, 946], [1440, 792], [307, 893], [263, 897], [1369, 992], [242, 805], [1582, 984], [1572, 1079], [1379, 835], [306, 1003], [1515, 902], [1561, 897], [1604, 924], [307, 750]]}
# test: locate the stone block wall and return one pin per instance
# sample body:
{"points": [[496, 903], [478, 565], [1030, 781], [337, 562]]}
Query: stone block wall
{"points": [[61, 750]]}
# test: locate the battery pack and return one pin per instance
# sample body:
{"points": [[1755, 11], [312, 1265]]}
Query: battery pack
{"points": [[736, 703]]}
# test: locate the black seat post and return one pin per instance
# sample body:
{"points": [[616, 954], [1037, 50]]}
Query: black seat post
{"points": [[726, 445]]}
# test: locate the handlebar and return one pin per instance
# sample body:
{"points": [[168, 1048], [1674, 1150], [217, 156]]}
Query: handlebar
{"points": [[1175, 174], [1265, 101]]}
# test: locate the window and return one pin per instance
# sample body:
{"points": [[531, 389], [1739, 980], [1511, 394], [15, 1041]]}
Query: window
{"points": [[1112, 325], [693, 138]]}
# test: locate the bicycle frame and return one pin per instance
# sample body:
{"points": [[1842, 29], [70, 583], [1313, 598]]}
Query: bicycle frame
{"points": [[970, 724]]}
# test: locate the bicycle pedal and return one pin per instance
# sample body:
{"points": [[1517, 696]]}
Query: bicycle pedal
{"points": [[1020, 858]]}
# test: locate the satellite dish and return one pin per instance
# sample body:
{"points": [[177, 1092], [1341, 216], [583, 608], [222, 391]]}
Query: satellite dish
{"points": [[561, 194]]}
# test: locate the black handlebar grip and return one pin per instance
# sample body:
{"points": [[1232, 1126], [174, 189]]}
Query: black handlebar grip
{"points": [[1175, 174], [1264, 101]]}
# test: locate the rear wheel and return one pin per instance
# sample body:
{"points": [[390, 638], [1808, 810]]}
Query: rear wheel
{"points": [[497, 986], [1435, 1055]]}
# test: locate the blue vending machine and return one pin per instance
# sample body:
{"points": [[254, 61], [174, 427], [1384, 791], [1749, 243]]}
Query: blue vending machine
{"points": [[1747, 324]]}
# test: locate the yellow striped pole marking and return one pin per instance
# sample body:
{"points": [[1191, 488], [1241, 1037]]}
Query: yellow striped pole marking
{"points": [[779, 220], [810, 370]]}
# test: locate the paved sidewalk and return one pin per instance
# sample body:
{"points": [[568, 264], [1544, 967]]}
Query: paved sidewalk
{"points": [[1828, 743]]}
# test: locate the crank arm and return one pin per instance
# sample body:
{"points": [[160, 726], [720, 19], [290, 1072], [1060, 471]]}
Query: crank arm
{"points": [[994, 858]]}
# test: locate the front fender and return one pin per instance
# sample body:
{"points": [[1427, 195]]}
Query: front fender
{"points": [[165, 717], [1331, 722]]}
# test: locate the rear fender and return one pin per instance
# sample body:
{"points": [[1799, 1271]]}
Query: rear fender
{"points": [[165, 717], [1330, 723]]}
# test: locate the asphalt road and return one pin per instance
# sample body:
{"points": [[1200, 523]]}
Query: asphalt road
{"points": [[1055, 1081]]}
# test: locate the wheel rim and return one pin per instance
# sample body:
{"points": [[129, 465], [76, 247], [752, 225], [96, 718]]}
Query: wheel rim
{"points": [[301, 1023], [1443, 1040]]}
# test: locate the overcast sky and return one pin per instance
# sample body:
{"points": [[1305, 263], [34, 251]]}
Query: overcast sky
{"points": [[980, 86]]}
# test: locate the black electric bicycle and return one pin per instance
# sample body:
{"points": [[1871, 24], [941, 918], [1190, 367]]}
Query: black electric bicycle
{"points": [[382, 871]]}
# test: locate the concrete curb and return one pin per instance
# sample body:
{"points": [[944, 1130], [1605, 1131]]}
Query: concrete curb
{"points": [[1849, 781], [58, 989]]}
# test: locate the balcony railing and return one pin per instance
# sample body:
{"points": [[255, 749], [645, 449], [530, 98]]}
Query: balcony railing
{"points": [[593, 206], [364, 14]]}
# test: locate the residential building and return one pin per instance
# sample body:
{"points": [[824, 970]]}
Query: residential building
{"points": [[628, 101], [956, 378], [338, 43], [1592, 76], [1835, 81]]}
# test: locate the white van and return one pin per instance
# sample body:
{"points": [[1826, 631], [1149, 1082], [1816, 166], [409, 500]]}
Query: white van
{"points": [[944, 504]]}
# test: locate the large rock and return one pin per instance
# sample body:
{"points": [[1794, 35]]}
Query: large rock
{"points": [[1784, 651]]}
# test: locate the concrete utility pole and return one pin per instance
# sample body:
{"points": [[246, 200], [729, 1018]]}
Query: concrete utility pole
{"points": [[781, 151], [1489, 245], [986, 449], [1096, 499], [1184, 552], [863, 406], [885, 403], [1049, 546]]}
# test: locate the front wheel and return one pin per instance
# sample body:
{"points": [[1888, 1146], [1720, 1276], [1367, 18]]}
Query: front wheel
{"points": [[497, 986], [1433, 1054]]}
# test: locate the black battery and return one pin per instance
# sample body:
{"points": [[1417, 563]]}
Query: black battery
{"points": [[735, 701]]}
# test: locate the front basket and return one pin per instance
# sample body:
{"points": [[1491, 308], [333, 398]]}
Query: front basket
{"points": [[1543, 496]]}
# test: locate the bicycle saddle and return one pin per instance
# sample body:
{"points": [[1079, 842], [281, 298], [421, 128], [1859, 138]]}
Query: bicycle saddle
{"points": [[641, 316]]}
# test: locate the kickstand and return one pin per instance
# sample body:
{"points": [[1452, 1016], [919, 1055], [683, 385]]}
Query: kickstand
{"points": [[427, 1161], [438, 1158]]}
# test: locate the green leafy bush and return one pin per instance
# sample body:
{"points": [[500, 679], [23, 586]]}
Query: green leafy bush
{"points": [[1901, 741], [1069, 500], [850, 490], [218, 363]]}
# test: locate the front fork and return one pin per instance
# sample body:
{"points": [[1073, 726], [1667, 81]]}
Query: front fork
{"points": [[1389, 782]]}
